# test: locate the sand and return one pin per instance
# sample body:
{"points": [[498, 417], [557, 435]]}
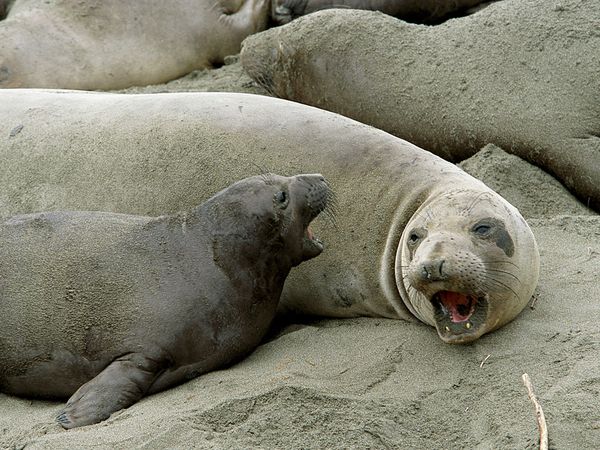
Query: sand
{"points": [[378, 383]]}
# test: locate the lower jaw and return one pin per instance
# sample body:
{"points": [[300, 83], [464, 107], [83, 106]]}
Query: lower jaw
{"points": [[458, 333]]}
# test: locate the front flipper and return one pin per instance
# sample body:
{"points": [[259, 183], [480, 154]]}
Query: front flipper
{"points": [[122, 383], [251, 18]]}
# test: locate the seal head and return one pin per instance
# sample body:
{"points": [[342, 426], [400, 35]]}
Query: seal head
{"points": [[275, 206], [464, 261]]}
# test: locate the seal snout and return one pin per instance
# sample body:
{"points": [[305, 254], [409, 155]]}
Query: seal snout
{"points": [[317, 196], [452, 279], [433, 270]]}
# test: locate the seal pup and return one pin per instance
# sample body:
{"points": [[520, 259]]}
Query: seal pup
{"points": [[107, 307], [421, 11], [139, 153], [454, 88], [111, 44]]}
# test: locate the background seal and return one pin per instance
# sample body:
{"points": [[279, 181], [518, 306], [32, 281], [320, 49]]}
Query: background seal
{"points": [[110, 44], [521, 74]]}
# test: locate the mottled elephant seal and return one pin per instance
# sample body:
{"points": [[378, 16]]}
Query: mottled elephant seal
{"points": [[111, 44], [142, 153], [422, 11], [522, 74], [131, 305]]}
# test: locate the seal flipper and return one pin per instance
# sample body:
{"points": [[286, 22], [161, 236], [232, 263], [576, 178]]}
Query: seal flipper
{"points": [[122, 383], [250, 18]]}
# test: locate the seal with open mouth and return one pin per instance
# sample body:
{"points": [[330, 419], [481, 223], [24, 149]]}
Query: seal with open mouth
{"points": [[457, 264], [106, 307], [139, 153]]}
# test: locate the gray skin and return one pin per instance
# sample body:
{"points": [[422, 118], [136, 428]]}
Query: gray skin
{"points": [[160, 152], [422, 11], [112, 44], [107, 307], [521, 74]]}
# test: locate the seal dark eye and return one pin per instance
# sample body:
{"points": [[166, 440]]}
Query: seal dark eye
{"points": [[415, 236], [281, 198], [482, 229]]}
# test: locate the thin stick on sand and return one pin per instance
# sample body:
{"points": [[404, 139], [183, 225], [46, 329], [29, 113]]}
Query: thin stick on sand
{"points": [[539, 412]]}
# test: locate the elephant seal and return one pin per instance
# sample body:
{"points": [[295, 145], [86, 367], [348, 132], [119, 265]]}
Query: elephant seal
{"points": [[453, 88], [111, 44], [106, 307], [421, 11], [138, 153]]}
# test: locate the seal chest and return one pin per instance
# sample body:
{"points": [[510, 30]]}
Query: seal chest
{"points": [[106, 307]]}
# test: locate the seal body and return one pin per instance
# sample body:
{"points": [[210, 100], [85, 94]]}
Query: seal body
{"points": [[454, 88], [138, 153], [110, 44], [428, 11], [106, 307]]}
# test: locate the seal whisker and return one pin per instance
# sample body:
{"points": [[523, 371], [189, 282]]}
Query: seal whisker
{"points": [[499, 283], [264, 172], [263, 81], [500, 262], [489, 269]]}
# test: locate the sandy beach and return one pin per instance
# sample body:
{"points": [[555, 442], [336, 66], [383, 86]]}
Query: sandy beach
{"points": [[380, 383]]}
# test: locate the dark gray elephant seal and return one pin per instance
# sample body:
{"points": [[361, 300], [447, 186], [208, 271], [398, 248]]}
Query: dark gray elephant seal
{"points": [[421, 11], [112, 44], [521, 74], [138, 153], [131, 305]]}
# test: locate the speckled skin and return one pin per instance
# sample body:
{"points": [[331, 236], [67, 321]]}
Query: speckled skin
{"points": [[108, 307]]}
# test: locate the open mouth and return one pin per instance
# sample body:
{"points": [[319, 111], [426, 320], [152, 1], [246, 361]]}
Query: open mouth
{"points": [[312, 245], [459, 317]]}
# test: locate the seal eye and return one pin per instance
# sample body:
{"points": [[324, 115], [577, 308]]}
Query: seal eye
{"points": [[482, 229], [415, 237], [281, 198]]}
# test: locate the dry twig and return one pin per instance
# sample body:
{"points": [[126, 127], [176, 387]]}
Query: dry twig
{"points": [[484, 360], [541, 419]]}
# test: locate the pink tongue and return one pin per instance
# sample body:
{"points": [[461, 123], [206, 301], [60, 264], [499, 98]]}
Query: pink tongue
{"points": [[309, 233], [452, 300]]}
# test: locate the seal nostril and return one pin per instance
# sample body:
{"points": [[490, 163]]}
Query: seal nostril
{"points": [[425, 273], [432, 271]]}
